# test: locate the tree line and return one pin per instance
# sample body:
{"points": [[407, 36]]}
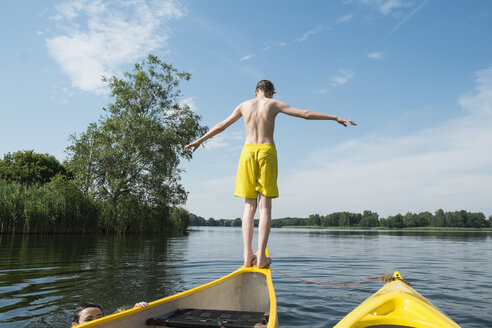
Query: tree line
{"points": [[122, 174], [369, 219], [211, 222]]}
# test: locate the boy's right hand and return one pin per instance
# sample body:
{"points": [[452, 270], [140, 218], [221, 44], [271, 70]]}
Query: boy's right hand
{"points": [[193, 145]]}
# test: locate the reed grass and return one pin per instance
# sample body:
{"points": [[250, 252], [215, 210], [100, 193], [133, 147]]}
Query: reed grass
{"points": [[60, 207], [55, 207]]}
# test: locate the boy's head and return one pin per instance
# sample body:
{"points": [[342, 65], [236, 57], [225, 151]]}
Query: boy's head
{"points": [[265, 86], [87, 312]]}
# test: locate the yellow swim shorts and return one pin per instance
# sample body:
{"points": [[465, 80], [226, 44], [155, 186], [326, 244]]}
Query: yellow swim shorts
{"points": [[257, 171]]}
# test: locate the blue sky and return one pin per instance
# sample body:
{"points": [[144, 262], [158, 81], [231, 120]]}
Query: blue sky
{"points": [[416, 76]]}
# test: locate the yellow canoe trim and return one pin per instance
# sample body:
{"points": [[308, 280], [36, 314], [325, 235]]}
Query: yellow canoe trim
{"points": [[396, 303]]}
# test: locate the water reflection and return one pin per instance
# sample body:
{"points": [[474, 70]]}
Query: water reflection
{"points": [[46, 277], [438, 234]]}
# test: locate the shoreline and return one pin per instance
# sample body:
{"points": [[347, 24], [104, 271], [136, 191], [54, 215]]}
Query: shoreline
{"points": [[391, 229]]}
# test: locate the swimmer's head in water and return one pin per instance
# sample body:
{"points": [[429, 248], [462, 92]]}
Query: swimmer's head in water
{"points": [[87, 312]]}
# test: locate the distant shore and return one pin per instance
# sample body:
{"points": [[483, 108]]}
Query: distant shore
{"points": [[393, 229]]}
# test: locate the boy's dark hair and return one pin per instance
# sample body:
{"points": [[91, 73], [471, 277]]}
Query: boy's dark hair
{"points": [[83, 306], [265, 86]]}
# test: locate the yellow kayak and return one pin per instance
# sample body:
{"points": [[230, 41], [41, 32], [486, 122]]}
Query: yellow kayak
{"points": [[244, 297], [396, 304]]}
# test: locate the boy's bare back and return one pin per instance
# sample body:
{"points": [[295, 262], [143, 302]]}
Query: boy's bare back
{"points": [[259, 119]]}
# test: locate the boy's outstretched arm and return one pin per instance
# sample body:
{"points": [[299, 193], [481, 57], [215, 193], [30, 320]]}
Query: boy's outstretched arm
{"points": [[311, 114], [218, 128]]}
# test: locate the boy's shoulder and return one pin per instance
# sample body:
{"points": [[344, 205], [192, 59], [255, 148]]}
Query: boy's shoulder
{"points": [[247, 104], [271, 104]]}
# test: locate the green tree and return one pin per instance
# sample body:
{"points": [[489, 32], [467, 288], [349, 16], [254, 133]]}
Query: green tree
{"points": [[424, 219], [410, 220], [455, 219], [395, 221], [439, 219], [211, 222], [28, 167], [348, 219], [313, 220], [369, 219], [180, 218], [344, 219], [197, 220], [131, 156], [475, 220], [330, 220]]}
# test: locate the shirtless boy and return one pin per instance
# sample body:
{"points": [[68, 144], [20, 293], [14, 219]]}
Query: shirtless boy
{"points": [[256, 178]]}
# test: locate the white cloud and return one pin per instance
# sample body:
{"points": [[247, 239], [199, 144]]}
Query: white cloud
{"points": [[343, 76], [375, 55], [246, 57], [307, 35], [98, 37], [480, 103], [277, 44], [383, 6], [406, 18], [344, 19], [219, 141], [448, 166], [190, 102], [225, 139], [387, 6]]}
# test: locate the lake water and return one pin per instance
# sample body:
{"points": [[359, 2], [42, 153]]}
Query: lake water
{"points": [[43, 278]]}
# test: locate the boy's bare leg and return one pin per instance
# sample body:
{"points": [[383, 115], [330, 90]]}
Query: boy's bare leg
{"points": [[264, 230], [248, 228]]}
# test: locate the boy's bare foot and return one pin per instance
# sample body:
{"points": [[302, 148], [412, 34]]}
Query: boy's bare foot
{"points": [[250, 262], [262, 263]]}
